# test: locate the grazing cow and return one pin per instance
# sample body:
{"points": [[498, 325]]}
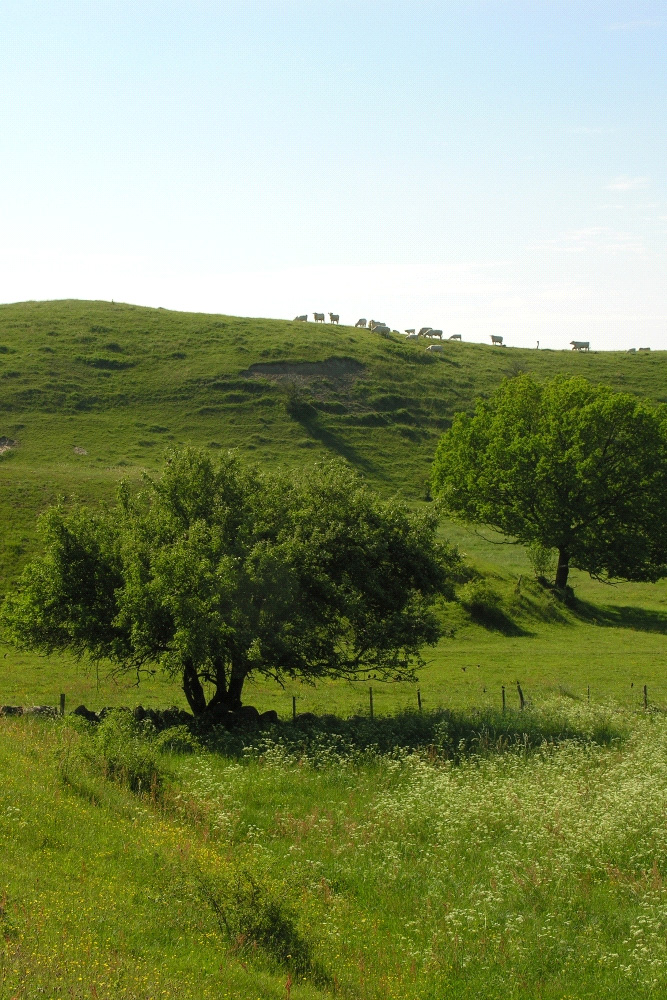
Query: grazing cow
{"points": [[580, 345], [360, 322], [412, 336], [373, 324], [424, 330], [318, 317], [495, 339], [300, 319], [632, 350], [455, 336], [410, 331], [382, 328], [435, 333], [333, 317], [644, 348], [435, 347]]}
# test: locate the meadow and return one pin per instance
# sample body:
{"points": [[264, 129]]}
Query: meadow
{"points": [[459, 851], [302, 865]]}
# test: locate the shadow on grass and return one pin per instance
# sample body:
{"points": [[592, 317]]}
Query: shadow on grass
{"points": [[444, 734], [617, 616], [335, 443], [496, 620]]}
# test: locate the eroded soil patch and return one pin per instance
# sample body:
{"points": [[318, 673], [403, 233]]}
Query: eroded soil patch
{"points": [[339, 372], [6, 444]]}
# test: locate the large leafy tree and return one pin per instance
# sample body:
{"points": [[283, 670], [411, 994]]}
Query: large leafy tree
{"points": [[573, 466], [216, 571]]}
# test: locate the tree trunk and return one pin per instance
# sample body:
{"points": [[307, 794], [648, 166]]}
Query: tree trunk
{"points": [[235, 687], [228, 695], [192, 688], [563, 568]]}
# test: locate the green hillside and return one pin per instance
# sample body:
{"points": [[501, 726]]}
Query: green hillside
{"points": [[94, 391], [463, 853]]}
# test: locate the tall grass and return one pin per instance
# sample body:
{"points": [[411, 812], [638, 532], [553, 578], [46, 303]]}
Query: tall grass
{"points": [[518, 868]]}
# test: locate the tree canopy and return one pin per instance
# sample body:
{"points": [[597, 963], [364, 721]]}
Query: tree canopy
{"points": [[575, 467], [215, 571]]}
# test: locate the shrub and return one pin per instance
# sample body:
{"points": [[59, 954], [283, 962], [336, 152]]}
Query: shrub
{"points": [[252, 912], [542, 559], [125, 751], [479, 599]]}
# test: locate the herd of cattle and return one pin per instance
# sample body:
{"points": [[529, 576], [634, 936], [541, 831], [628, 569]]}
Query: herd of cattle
{"points": [[428, 331]]}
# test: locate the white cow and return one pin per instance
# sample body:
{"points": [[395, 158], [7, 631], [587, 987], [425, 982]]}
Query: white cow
{"points": [[300, 319], [580, 345], [435, 333], [360, 322], [373, 324], [333, 317], [644, 348], [455, 336], [318, 317], [435, 347], [424, 330], [412, 336], [495, 339], [410, 331]]}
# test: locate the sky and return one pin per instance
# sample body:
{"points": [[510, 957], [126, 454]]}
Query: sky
{"points": [[485, 168]]}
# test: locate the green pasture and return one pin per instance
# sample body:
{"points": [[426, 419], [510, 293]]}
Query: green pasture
{"points": [[299, 866], [607, 647], [462, 853], [93, 392]]}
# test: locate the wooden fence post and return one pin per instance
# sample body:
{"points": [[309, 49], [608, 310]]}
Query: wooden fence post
{"points": [[522, 700], [62, 704], [419, 699], [503, 698]]}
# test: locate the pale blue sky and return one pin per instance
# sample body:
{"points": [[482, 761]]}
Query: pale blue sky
{"points": [[484, 167]]}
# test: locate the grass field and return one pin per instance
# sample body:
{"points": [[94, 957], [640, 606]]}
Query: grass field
{"points": [[311, 868], [502, 856]]}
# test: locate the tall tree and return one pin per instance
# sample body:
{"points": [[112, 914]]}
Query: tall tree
{"points": [[216, 571], [576, 467]]}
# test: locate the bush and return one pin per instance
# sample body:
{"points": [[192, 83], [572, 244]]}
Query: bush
{"points": [[479, 599], [253, 913], [126, 752], [542, 559]]}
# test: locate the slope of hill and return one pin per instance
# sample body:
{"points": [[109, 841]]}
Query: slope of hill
{"points": [[94, 391]]}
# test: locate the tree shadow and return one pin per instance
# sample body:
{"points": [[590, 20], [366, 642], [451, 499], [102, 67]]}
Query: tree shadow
{"points": [[444, 734], [496, 620], [335, 443], [622, 616]]}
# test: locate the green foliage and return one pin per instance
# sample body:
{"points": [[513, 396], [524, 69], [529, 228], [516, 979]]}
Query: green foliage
{"points": [[479, 598], [120, 749], [217, 571], [254, 912], [575, 467], [542, 558]]}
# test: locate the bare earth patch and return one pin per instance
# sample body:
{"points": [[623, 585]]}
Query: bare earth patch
{"points": [[80, 451], [6, 444], [340, 372]]}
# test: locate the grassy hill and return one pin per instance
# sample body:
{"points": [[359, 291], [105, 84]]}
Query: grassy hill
{"points": [[515, 854], [93, 392]]}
